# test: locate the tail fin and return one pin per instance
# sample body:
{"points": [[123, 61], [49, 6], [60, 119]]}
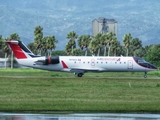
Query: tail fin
{"points": [[20, 50]]}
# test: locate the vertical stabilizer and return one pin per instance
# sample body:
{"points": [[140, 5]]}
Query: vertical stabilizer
{"points": [[20, 50]]}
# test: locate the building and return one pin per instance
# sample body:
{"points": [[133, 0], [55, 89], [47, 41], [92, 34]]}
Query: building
{"points": [[104, 25]]}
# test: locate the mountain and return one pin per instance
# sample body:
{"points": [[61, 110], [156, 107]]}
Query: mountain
{"points": [[59, 17]]}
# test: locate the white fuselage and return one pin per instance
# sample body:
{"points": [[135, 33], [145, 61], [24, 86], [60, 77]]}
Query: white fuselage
{"points": [[88, 64]]}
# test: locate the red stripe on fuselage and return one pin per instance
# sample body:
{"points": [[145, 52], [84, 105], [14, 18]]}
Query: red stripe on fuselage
{"points": [[64, 65], [19, 54]]}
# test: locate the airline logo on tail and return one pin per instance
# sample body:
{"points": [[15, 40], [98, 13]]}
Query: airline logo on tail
{"points": [[18, 52]]}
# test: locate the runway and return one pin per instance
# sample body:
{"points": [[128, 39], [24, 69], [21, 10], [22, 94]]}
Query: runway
{"points": [[120, 77]]}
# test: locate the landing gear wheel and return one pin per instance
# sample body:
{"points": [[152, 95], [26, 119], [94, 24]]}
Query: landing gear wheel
{"points": [[145, 76], [80, 74]]}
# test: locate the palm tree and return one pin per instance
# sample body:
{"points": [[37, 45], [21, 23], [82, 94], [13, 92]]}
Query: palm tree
{"points": [[32, 47], [71, 36], [68, 49], [38, 38], [80, 42], [104, 42], [99, 42], [112, 42], [14, 36], [135, 45], [83, 42], [108, 39], [77, 52], [44, 46], [126, 41], [94, 46], [51, 43], [115, 46]]}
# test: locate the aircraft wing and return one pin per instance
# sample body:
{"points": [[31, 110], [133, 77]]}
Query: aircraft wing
{"points": [[86, 69]]}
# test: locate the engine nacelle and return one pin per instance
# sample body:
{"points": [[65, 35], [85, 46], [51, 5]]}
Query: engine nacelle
{"points": [[48, 60]]}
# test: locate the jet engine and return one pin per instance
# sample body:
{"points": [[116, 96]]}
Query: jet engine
{"points": [[48, 60]]}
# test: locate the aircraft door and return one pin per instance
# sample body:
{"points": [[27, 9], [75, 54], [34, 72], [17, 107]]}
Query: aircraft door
{"points": [[92, 62], [130, 64]]}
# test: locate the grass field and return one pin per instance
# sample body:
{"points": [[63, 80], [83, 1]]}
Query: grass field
{"points": [[36, 90]]}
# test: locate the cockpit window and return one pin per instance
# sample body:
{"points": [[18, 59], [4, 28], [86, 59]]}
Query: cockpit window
{"points": [[141, 61], [144, 63]]}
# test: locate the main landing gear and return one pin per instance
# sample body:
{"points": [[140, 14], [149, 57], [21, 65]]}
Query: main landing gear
{"points": [[79, 74], [145, 74]]}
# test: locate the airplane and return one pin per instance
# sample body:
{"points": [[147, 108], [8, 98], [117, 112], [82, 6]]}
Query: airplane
{"points": [[78, 64]]}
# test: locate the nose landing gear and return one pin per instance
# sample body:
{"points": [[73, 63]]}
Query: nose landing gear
{"points": [[145, 74]]}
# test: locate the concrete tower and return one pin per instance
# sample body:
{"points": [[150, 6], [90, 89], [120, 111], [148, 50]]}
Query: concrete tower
{"points": [[104, 25]]}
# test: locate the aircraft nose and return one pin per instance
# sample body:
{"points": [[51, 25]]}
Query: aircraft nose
{"points": [[155, 68], [152, 66]]}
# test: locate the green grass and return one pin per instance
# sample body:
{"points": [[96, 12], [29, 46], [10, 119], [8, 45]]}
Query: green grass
{"points": [[65, 92]]}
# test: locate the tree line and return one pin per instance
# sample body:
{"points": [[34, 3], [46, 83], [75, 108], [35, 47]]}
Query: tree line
{"points": [[86, 45]]}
